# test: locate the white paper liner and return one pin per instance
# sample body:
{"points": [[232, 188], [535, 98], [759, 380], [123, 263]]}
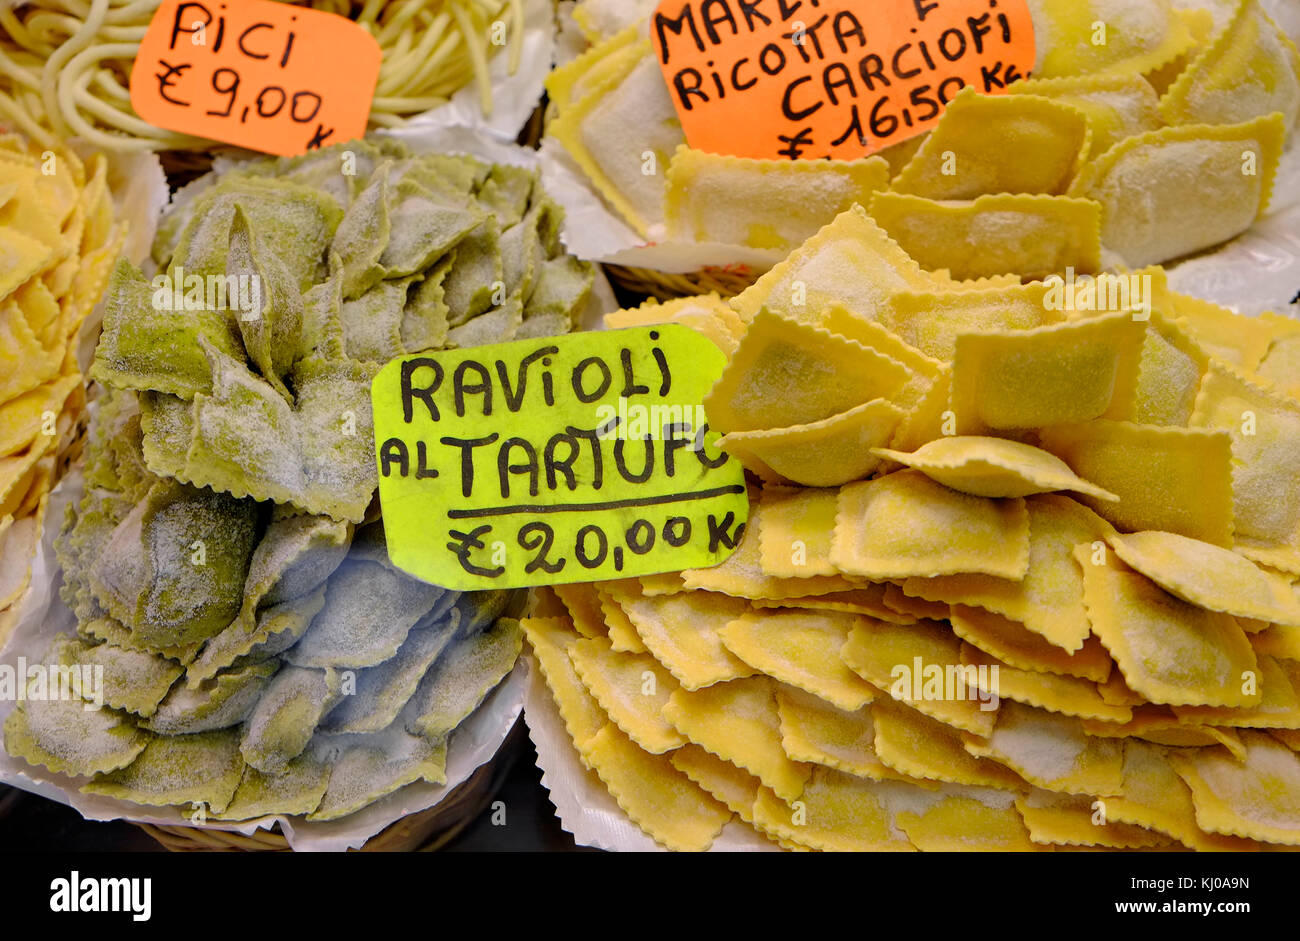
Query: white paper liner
{"points": [[44, 614], [513, 96], [582, 802]]}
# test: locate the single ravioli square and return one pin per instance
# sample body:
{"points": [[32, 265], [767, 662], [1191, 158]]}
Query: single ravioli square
{"points": [[1168, 650], [1053, 375], [906, 524]]}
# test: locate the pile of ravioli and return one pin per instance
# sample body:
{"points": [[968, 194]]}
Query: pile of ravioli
{"points": [[58, 242], [227, 564], [1099, 500], [1132, 151]]}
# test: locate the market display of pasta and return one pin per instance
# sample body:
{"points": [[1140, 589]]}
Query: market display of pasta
{"points": [[225, 564], [65, 66], [59, 243], [1021, 568], [1126, 152], [1022, 571]]}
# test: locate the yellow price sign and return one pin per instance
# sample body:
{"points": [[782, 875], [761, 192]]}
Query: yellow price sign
{"points": [[564, 459]]}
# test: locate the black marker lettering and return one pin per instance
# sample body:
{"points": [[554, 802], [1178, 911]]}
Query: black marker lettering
{"points": [[244, 35], [467, 446], [425, 395], [666, 24], [422, 469], [482, 387], [393, 451], [646, 470], [578, 384], [505, 468], [177, 29], [563, 466]]}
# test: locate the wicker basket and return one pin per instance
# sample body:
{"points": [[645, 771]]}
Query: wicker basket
{"points": [[664, 286], [427, 830]]}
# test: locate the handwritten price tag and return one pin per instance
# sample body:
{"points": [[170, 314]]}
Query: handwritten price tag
{"points": [[790, 79], [268, 76], [568, 459]]}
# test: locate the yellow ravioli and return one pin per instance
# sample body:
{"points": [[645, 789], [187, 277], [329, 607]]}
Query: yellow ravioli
{"points": [[1169, 374], [631, 105], [1208, 576], [631, 688], [913, 744], [1160, 725], [1080, 821], [1052, 751], [583, 605], [1067, 695], [1116, 106], [665, 583], [1024, 649], [875, 335], [1254, 798], [1278, 641], [774, 204], [795, 531], [1054, 375], [741, 573], [681, 631], [1278, 707], [993, 467], [928, 418], [1155, 797], [932, 321], [574, 80], [788, 373], [851, 262], [582, 715], [920, 665], [733, 786], [1168, 650], [1004, 233], [824, 453], [801, 648], [707, 314], [962, 820], [1167, 193], [22, 417], [1265, 434], [814, 731], [869, 600], [836, 812], [905, 524], [1173, 479], [1242, 341], [665, 803], [965, 155], [623, 636], [1089, 37], [1248, 70], [914, 608], [1113, 689], [1281, 362], [1288, 737], [1048, 600], [738, 722]]}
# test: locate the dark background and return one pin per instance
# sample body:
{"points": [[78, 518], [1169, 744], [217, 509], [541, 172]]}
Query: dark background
{"points": [[29, 823]]}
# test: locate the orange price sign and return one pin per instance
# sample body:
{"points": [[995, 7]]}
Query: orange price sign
{"points": [[273, 77], [807, 79]]}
